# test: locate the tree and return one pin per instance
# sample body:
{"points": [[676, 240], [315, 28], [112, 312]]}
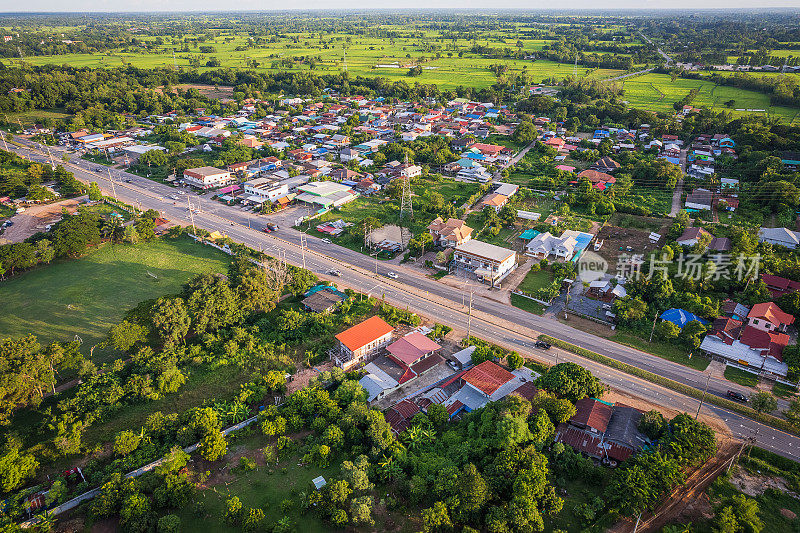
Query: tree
{"points": [[253, 519], [514, 360], [45, 252], [525, 132], [692, 334], [125, 442], [652, 424], [666, 330], [571, 381], [213, 446], [233, 510], [472, 490], [16, 468], [436, 518], [126, 335], [763, 402], [169, 524], [171, 320], [95, 194], [437, 413], [135, 515], [630, 309]]}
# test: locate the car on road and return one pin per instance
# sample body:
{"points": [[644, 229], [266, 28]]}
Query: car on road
{"points": [[267, 230], [392, 275], [543, 345], [327, 240], [334, 272], [98, 169], [737, 396]]}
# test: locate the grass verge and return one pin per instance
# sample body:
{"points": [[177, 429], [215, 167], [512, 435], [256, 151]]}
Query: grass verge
{"points": [[526, 304], [663, 350], [743, 410], [746, 379]]}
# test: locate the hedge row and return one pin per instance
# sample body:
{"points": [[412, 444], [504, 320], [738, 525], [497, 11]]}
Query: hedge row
{"points": [[749, 412]]}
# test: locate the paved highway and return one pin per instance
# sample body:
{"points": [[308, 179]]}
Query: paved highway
{"points": [[491, 320]]}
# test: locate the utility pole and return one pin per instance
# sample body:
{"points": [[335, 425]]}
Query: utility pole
{"points": [[469, 315], [638, 518], [191, 214], [113, 187], [51, 157], [708, 379], [303, 248], [654, 327]]}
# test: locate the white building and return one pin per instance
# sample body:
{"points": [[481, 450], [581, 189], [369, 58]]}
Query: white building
{"points": [[261, 190], [207, 177], [488, 262]]}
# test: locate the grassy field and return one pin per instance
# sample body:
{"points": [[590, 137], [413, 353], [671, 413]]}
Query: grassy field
{"points": [[365, 56], [265, 488], [658, 92], [535, 280], [740, 376], [86, 296]]}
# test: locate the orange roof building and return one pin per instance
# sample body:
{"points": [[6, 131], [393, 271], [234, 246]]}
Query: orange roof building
{"points": [[487, 377], [768, 316], [362, 341], [450, 233]]}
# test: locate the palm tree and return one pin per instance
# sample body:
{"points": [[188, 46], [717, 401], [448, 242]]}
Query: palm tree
{"points": [[45, 521], [237, 412]]}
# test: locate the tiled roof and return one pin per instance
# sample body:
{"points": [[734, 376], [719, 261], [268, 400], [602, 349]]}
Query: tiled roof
{"points": [[770, 311], [527, 390], [410, 348], [364, 333], [592, 413], [488, 377]]}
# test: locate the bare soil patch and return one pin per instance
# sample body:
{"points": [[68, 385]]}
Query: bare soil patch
{"points": [[209, 91], [754, 484], [616, 241], [35, 219], [390, 232]]}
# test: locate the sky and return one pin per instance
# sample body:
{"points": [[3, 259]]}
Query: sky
{"points": [[272, 5]]}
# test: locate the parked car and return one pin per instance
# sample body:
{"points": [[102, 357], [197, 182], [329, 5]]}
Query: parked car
{"points": [[391, 275], [543, 345], [738, 396]]}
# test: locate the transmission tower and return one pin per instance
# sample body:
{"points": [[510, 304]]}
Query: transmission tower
{"points": [[406, 209]]}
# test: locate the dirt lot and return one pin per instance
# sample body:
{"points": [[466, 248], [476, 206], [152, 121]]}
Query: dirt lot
{"points": [[389, 233], [209, 91], [614, 238], [35, 219]]}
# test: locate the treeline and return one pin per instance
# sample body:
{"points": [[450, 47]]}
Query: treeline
{"points": [[72, 237], [20, 177]]}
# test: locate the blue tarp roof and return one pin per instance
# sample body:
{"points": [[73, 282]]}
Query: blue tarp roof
{"points": [[680, 317], [529, 233], [321, 287]]}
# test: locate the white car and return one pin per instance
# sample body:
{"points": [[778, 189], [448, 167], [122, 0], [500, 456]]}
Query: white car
{"points": [[391, 275], [327, 241]]}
